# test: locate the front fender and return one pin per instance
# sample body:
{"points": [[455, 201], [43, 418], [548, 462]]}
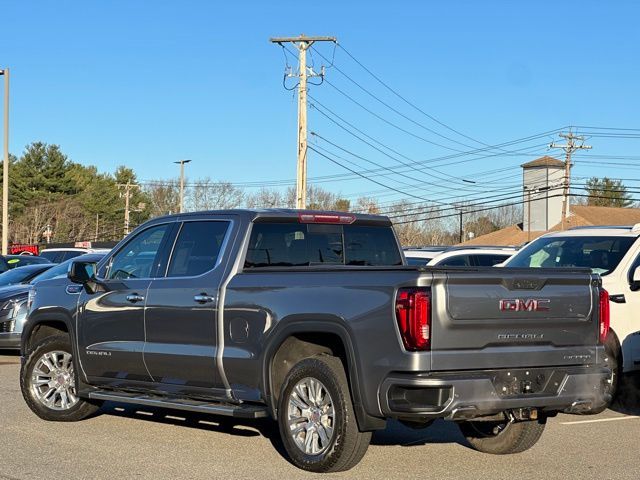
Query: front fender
{"points": [[49, 315]]}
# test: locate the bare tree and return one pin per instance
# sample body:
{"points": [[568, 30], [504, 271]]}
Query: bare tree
{"points": [[366, 205], [266, 198], [164, 196], [207, 194]]}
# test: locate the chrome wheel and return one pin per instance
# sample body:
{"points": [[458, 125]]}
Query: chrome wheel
{"points": [[311, 416], [52, 381]]}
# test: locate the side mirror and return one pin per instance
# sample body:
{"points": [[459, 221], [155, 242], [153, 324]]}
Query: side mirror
{"points": [[82, 272], [635, 280]]}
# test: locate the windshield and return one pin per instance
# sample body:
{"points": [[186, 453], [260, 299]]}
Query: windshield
{"points": [[600, 253]]}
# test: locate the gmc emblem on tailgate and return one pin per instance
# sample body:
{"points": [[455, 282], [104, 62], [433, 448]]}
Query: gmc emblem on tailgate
{"points": [[525, 305]]}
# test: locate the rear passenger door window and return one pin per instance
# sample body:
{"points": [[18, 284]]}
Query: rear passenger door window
{"points": [[197, 248]]}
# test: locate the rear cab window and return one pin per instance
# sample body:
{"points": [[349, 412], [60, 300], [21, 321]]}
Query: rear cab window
{"points": [[300, 244]]}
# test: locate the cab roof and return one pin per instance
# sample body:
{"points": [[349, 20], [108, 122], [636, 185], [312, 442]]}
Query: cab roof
{"points": [[284, 214]]}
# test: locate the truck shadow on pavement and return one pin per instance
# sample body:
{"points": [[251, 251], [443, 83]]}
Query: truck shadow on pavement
{"points": [[394, 434], [628, 397]]}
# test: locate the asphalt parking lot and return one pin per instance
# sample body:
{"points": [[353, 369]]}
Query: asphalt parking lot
{"points": [[129, 442]]}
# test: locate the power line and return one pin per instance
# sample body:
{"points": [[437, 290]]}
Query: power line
{"points": [[364, 176], [396, 111], [315, 105]]}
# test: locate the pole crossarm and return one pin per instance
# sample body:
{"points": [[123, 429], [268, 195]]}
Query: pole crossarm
{"points": [[302, 38]]}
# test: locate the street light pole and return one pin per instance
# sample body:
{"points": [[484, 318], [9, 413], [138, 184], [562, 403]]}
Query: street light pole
{"points": [[182, 162], [5, 166]]}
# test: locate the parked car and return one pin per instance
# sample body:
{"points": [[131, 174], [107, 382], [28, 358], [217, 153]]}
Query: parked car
{"points": [[421, 255], [311, 318], [13, 299], [22, 275], [4, 265], [472, 256], [59, 255], [613, 252], [21, 260]]}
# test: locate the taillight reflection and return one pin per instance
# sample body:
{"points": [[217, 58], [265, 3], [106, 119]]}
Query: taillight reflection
{"points": [[604, 315]]}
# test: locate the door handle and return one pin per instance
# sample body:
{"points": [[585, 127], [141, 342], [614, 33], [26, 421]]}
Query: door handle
{"points": [[203, 298], [619, 298], [134, 298]]}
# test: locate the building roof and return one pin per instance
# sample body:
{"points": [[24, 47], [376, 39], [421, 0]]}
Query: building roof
{"points": [[604, 215], [511, 235], [545, 161], [581, 216]]}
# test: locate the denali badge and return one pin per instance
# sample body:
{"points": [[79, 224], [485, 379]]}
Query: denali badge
{"points": [[525, 305], [100, 353], [520, 336]]}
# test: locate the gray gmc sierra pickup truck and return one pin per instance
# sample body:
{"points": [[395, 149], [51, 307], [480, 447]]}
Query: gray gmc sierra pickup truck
{"points": [[313, 319]]}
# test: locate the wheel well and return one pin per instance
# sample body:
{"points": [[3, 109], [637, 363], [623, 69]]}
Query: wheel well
{"points": [[298, 347], [612, 334], [43, 330]]}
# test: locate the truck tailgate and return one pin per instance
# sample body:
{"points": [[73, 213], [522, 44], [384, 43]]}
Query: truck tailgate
{"points": [[513, 318]]}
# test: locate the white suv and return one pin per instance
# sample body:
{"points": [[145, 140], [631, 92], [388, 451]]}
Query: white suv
{"points": [[472, 256], [614, 253]]}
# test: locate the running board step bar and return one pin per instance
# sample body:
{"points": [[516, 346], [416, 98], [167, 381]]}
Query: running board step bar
{"points": [[227, 409]]}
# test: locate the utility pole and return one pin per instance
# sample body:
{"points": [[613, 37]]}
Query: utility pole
{"points": [[5, 166], [528, 205], [182, 162], [128, 187], [302, 44], [461, 229], [97, 222], [571, 146]]}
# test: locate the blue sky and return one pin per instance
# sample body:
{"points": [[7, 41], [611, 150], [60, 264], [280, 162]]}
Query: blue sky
{"points": [[146, 83]]}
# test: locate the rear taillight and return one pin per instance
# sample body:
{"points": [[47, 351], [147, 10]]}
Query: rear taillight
{"points": [[604, 315], [413, 313]]}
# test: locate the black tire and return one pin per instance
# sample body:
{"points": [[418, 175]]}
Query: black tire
{"points": [[78, 410], [502, 438], [347, 444], [613, 361]]}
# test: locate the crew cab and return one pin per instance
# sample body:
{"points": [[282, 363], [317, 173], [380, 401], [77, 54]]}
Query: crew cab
{"points": [[313, 319]]}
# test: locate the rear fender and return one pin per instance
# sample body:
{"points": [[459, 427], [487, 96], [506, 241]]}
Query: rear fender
{"points": [[301, 324]]}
